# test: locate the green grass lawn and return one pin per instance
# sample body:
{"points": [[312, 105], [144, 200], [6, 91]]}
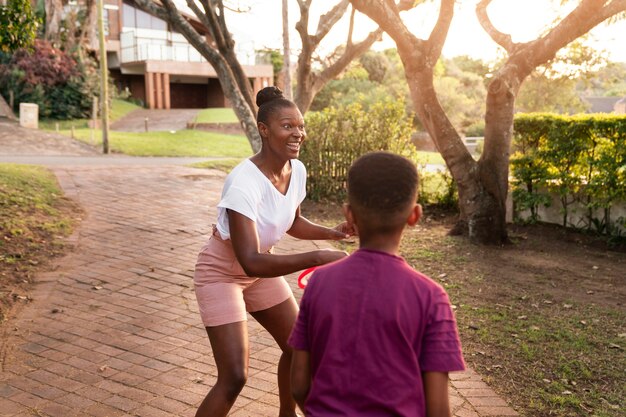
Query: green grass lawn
{"points": [[119, 109], [424, 157], [218, 115], [225, 165], [193, 143], [34, 215]]}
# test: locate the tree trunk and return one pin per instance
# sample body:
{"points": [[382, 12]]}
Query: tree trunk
{"points": [[88, 35], [482, 185], [53, 9]]}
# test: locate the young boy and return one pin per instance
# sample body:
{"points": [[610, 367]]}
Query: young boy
{"points": [[375, 337]]}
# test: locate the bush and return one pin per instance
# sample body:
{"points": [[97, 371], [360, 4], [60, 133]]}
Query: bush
{"points": [[581, 159], [339, 135], [50, 78]]}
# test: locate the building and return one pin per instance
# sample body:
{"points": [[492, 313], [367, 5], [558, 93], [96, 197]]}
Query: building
{"points": [[605, 104], [158, 66]]}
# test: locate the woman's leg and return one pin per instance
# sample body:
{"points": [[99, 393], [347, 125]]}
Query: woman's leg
{"points": [[278, 321], [230, 349]]}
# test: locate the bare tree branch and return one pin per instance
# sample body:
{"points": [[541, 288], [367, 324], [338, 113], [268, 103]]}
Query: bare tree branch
{"points": [[328, 20], [351, 28], [351, 52], [587, 15], [440, 31], [200, 15], [498, 37], [310, 82], [387, 15]]}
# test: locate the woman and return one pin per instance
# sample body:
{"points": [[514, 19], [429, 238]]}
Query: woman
{"points": [[237, 272]]}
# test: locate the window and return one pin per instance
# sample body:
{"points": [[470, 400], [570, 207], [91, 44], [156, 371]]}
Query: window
{"points": [[128, 14], [136, 18], [143, 19]]}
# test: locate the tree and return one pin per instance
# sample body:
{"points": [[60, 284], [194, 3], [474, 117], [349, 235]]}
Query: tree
{"points": [[54, 12], [18, 25], [482, 184], [310, 81], [376, 64]]}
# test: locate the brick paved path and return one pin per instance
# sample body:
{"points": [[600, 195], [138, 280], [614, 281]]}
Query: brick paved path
{"points": [[114, 330]]}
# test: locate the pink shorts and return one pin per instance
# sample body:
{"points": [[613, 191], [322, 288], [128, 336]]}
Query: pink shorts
{"points": [[223, 290]]}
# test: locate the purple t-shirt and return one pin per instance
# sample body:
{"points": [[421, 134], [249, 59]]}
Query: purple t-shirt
{"points": [[372, 325]]}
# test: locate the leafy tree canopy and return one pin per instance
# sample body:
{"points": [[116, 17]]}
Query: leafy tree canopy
{"points": [[18, 25]]}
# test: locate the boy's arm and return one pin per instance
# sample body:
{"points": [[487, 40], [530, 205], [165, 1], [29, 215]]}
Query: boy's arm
{"points": [[436, 394], [300, 376]]}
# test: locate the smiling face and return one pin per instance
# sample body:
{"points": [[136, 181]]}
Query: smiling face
{"points": [[284, 132]]}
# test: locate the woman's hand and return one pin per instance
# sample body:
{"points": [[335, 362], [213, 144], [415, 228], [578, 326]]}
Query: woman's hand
{"points": [[343, 231], [330, 255]]}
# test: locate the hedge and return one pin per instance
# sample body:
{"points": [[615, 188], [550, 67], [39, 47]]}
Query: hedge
{"points": [[581, 159], [339, 135]]}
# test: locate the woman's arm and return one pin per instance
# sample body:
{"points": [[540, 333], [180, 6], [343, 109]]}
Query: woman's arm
{"points": [[245, 240], [303, 228]]}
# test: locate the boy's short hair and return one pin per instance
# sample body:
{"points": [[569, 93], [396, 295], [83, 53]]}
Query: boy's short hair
{"points": [[382, 184]]}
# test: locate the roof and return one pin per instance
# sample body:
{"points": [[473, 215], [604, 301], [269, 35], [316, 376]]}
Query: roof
{"points": [[601, 104]]}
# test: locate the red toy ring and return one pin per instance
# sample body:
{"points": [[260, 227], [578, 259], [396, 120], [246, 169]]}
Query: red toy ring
{"points": [[303, 278]]}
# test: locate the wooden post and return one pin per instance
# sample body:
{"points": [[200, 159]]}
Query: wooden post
{"points": [[94, 118], [166, 90], [72, 132], [56, 127], [286, 52], [150, 98], [145, 123], [11, 99], [159, 90], [104, 96]]}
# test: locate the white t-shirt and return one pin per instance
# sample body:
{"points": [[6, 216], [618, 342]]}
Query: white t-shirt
{"points": [[249, 192]]}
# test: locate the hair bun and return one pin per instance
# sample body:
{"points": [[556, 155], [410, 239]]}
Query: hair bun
{"points": [[268, 94]]}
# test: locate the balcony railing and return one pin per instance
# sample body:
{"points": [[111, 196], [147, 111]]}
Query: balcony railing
{"points": [[142, 45], [141, 48]]}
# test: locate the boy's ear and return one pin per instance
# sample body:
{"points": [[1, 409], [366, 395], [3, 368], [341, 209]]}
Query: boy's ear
{"points": [[415, 215]]}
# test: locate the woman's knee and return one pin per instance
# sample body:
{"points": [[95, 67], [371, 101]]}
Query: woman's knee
{"points": [[234, 381]]}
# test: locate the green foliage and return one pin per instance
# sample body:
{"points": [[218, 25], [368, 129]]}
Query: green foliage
{"points": [[581, 159], [27, 194], [192, 143], [376, 64], [339, 135], [554, 86], [217, 115], [354, 86], [50, 78], [18, 25], [273, 57], [608, 81], [476, 129], [540, 93], [224, 165], [461, 91], [471, 65]]}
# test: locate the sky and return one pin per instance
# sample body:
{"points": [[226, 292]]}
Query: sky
{"points": [[524, 20]]}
